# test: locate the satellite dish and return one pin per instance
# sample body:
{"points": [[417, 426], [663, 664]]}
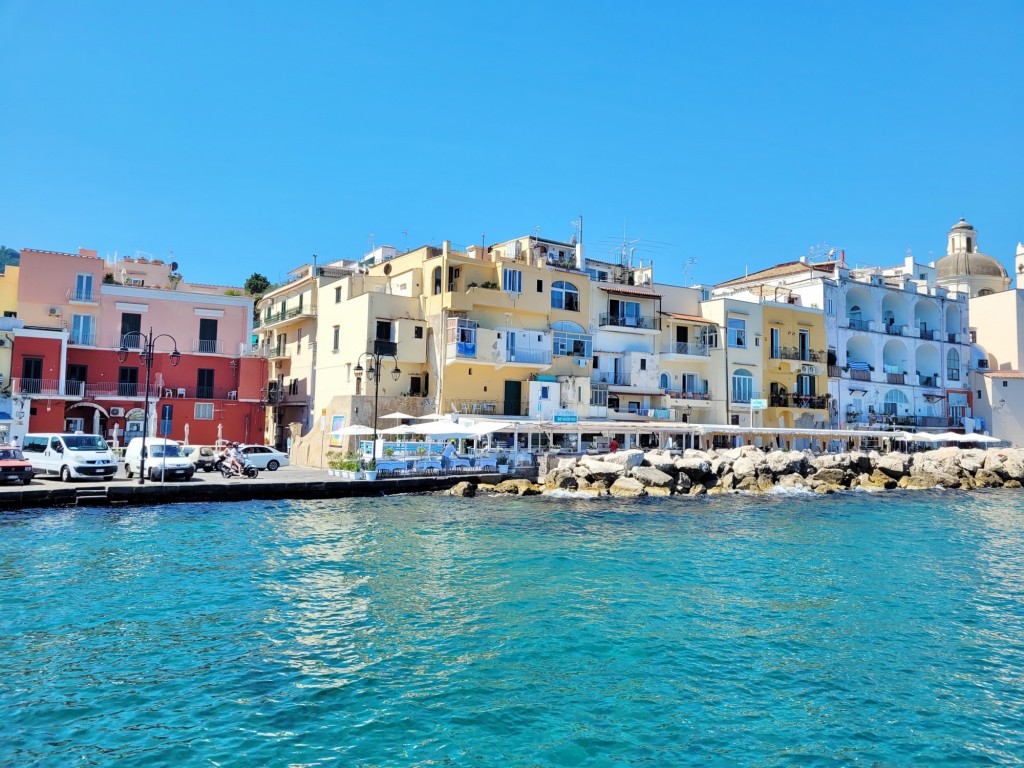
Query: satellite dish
{"points": [[174, 266], [387, 269]]}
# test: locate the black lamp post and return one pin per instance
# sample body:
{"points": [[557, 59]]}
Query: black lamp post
{"points": [[374, 372], [145, 343]]}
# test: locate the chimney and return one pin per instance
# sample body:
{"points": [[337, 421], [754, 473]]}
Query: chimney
{"points": [[446, 245]]}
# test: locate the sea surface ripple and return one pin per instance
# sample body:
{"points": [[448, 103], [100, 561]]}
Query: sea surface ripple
{"points": [[850, 630]]}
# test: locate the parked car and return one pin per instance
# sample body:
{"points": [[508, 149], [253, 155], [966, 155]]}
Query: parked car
{"points": [[14, 466], [264, 457], [71, 456], [163, 460], [202, 456]]}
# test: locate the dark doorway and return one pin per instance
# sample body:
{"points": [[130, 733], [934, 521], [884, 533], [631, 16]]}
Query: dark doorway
{"points": [[513, 398]]}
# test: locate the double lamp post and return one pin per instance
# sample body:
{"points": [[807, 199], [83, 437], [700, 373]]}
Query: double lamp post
{"points": [[382, 350], [146, 343]]}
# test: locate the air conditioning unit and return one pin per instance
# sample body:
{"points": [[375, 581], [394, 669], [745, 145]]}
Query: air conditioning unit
{"points": [[117, 411], [54, 311]]}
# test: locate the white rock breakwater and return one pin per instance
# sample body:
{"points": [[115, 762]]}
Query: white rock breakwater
{"points": [[748, 468]]}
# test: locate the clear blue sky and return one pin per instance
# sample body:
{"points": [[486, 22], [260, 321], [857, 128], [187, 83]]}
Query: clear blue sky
{"points": [[247, 136]]}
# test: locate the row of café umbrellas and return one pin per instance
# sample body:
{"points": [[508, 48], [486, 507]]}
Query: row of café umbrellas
{"points": [[441, 428], [944, 437]]}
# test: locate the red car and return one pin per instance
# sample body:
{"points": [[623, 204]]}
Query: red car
{"points": [[14, 466]]}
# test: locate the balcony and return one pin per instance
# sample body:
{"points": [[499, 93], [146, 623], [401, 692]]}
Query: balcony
{"points": [[814, 402], [928, 335], [461, 350], [795, 353], [83, 339], [129, 341], [682, 394], [659, 414], [279, 352], [744, 398], [531, 357], [82, 296], [929, 381], [896, 330], [481, 407], [630, 322], [115, 389], [895, 378], [208, 346], [276, 318], [40, 387], [689, 348], [615, 379], [856, 324]]}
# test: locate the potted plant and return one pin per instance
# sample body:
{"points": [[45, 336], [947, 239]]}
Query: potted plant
{"points": [[421, 451], [350, 466], [389, 453], [370, 470], [334, 464], [503, 464]]}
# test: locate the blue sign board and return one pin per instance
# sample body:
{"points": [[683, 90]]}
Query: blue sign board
{"points": [[566, 417]]}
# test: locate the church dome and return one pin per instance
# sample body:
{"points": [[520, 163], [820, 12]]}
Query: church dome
{"points": [[964, 264], [962, 224]]}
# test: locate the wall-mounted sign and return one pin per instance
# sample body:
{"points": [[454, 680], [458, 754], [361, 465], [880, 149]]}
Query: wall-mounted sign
{"points": [[758, 404], [566, 416], [135, 414]]}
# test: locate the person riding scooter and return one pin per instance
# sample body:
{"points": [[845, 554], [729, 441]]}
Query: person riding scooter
{"points": [[235, 459]]}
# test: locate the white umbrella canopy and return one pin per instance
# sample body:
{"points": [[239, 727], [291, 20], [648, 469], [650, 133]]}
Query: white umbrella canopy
{"points": [[976, 437], [401, 429], [352, 429], [487, 427], [433, 417], [950, 436], [920, 437], [397, 415], [445, 430]]}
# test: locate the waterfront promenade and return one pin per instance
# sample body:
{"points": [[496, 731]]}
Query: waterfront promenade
{"points": [[286, 483]]}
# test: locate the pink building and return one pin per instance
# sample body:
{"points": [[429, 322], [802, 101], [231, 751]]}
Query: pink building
{"points": [[79, 310]]}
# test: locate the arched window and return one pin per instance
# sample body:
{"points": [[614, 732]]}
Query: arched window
{"points": [[709, 336], [437, 280], [742, 386], [985, 292], [665, 381], [953, 365], [565, 296], [893, 399]]}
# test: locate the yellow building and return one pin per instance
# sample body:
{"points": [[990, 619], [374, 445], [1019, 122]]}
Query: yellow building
{"points": [[11, 409], [286, 325], [795, 377]]}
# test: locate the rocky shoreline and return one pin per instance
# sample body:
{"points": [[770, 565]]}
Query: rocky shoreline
{"points": [[750, 469]]}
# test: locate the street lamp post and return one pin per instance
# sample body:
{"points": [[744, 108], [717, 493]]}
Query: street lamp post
{"points": [[374, 371], [146, 344]]}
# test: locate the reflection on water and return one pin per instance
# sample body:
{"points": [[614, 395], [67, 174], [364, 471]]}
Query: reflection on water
{"points": [[865, 629]]}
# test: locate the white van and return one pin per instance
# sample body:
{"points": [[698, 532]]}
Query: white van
{"points": [[165, 459], [72, 456]]}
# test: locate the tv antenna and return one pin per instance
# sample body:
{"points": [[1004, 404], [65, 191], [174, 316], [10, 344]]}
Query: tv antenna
{"points": [[688, 266]]}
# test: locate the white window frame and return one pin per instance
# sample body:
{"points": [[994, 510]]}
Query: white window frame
{"points": [[198, 413], [737, 332], [512, 280]]}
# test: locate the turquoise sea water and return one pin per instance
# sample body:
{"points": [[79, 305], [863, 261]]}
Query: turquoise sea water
{"points": [[867, 630]]}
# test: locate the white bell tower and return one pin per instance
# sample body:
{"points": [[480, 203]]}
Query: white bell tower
{"points": [[1018, 266]]}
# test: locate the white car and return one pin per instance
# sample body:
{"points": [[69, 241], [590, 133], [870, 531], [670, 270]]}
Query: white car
{"points": [[264, 457]]}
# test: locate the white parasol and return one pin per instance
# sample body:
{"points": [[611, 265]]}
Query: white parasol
{"points": [[352, 429], [397, 415], [401, 429]]}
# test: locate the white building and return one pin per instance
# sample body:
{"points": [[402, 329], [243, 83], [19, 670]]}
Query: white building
{"points": [[898, 343]]}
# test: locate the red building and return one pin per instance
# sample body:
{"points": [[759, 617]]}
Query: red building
{"points": [[82, 314]]}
